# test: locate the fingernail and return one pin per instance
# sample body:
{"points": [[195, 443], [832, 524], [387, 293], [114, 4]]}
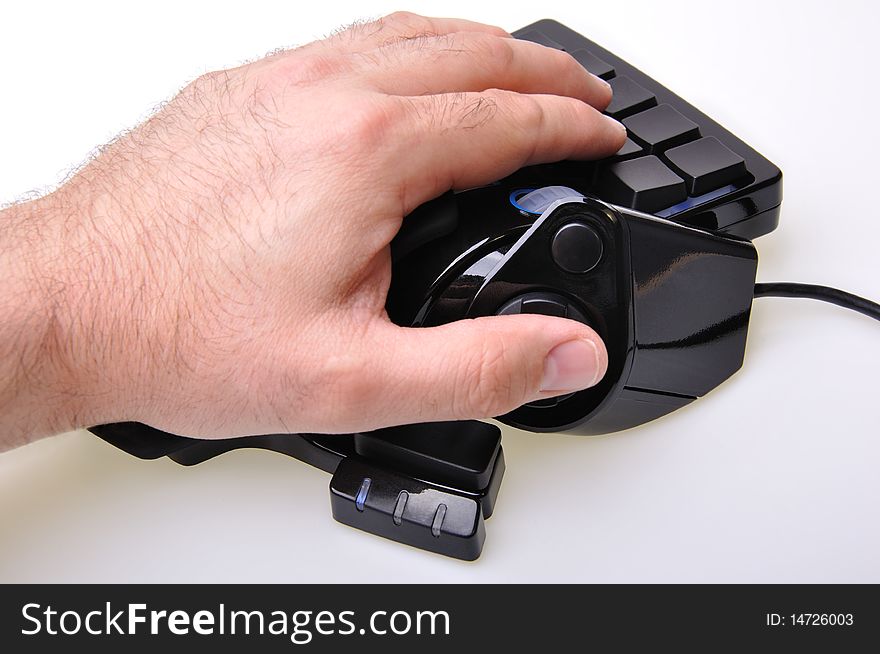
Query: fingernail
{"points": [[571, 366], [617, 124]]}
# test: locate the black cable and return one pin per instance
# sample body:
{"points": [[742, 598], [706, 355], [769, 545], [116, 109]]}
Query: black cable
{"points": [[822, 293]]}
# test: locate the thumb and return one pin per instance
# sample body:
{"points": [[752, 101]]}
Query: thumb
{"points": [[485, 367]]}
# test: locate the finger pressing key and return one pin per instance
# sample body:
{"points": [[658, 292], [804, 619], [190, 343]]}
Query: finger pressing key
{"points": [[476, 61]]}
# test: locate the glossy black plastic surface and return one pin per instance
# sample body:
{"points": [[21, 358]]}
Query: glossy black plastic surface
{"points": [[404, 509], [658, 121], [456, 454], [457, 464], [671, 303]]}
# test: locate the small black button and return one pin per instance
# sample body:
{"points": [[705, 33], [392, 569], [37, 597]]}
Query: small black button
{"points": [[593, 64], [576, 248], [457, 454], [628, 97], [643, 184], [630, 150], [660, 128], [706, 164]]}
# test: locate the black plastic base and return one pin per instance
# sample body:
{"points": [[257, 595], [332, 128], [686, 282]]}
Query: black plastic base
{"points": [[431, 485]]}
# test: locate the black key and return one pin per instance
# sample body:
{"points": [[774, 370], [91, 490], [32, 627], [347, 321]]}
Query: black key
{"points": [[706, 164], [660, 128], [458, 454], [628, 97], [643, 184], [593, 64], [539, 37], [630, 150]]}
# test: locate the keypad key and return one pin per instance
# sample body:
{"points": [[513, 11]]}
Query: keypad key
{"points": [[660, 128], [629, 97], [539, 37], [593, 64], [706, 164], [630, 150], [644, 184], [460, 454]]}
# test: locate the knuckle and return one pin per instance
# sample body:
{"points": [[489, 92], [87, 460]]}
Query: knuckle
{"points": [[531, 113], [308, 68], [499, 51], [371, 123], [406, 20], [499, 31]]}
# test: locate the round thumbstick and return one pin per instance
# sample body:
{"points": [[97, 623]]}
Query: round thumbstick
{"points": [[576, 248]]}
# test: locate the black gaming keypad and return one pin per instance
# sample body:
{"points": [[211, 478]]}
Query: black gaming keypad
{"points": [[677, 163]]}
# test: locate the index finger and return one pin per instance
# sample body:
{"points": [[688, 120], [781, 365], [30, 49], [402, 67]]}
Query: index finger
{"points": [[471, 139]]}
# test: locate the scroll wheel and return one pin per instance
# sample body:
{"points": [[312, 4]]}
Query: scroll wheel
{"points": [[538, 200]]}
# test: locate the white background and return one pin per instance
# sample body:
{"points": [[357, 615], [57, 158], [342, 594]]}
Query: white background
{"points": [[775, 476]]}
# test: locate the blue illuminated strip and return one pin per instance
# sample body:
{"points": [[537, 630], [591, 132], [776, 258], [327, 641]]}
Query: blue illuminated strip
{"points": [[693, 202], [361, 498]]}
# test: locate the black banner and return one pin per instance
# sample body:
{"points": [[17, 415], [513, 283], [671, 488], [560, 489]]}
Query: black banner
{"points": [[409, 618]]}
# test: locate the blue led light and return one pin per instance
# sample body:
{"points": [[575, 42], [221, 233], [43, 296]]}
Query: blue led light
{"points": [[693, 202], [361, 498], [518, 194]]}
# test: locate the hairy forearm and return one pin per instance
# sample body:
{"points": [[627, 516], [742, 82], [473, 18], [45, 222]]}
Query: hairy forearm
{"points": [[36, 371], [95, 317], [79, 298]]}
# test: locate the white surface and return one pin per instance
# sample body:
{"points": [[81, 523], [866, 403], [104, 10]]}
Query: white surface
{"points": [[773, 477]]}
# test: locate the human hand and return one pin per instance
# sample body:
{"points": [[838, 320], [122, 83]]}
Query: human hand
{"points": [[222, 269]]}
